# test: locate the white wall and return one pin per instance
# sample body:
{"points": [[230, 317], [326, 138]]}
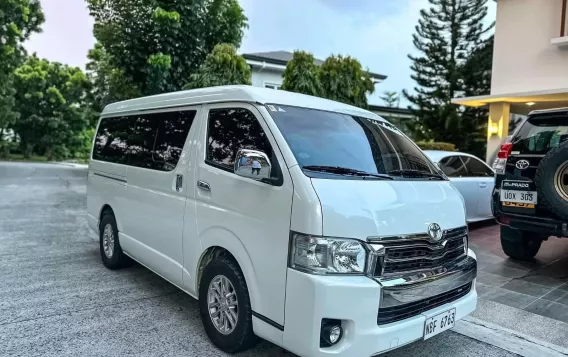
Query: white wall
{"points": [[266, 75], [524, 60]]}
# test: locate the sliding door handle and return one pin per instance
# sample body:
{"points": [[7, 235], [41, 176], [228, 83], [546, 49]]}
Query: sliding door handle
{"points": [[179, 182], [203, 185]]}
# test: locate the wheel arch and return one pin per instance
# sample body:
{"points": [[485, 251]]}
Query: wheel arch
{"points": [[230, 246]]}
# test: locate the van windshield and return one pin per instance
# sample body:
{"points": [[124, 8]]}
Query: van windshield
{"points": [[335, 144]]}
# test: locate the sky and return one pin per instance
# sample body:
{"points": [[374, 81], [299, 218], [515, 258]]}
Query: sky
{"points": [[376, 32]]}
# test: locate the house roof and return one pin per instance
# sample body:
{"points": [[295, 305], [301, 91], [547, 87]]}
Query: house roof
{"points": [[237, 93], [283, 57]]}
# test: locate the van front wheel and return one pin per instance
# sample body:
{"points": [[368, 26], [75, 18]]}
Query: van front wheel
{"points": [[224, 305]]}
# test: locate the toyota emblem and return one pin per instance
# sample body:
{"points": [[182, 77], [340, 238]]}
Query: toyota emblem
{"points": [[522, 164], [435, 232]]}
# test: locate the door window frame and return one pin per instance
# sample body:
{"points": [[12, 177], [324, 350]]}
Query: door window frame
{"points": [[481, 162], [459, 158], [276, 157]]}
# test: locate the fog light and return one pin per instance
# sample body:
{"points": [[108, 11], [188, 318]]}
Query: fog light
{"points": [[331, 332]]}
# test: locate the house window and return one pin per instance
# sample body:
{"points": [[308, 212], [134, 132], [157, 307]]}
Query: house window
{"points": [[272, 85]]}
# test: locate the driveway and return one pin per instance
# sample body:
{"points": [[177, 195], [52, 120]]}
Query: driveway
{"points": [[57, 299]]}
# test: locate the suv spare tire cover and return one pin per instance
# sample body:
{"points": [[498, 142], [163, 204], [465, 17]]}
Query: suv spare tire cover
{"points": [[545, 181]]}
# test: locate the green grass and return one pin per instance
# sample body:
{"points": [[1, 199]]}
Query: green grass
{"points": [[20, 157]]}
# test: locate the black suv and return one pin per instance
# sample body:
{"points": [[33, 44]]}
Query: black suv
{"points": [[530, 198]]}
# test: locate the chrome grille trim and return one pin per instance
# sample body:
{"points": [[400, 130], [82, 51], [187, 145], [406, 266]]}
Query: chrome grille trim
{"points": [[416, 252]]}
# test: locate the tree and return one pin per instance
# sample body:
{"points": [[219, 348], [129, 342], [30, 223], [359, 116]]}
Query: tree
{"points": [[344, 80], [476, 75], [302, 75], [391, 99], [153, 46], [448, 33], [18, 20], [223, 66], [50, 98]]}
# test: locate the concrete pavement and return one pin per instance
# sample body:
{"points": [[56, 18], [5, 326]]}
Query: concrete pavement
{"points": [[57, 299]]}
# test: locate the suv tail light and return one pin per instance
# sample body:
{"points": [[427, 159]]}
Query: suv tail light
{"points": [[505, 151], [501, 161]]}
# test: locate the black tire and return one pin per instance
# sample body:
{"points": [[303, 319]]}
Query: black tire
{"points": [[117, 259], [520, 245], [242, 337], [544, 180]]}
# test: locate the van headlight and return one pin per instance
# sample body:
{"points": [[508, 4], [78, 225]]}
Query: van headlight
{"points": [[324, 255]]}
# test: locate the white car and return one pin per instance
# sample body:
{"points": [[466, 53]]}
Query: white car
{"points": [[472, 177], [310, 223]]}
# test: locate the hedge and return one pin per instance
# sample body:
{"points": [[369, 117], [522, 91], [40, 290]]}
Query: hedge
{"points": [[432, 145]]}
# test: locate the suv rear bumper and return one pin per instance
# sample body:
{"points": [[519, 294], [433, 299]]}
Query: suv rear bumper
{"points": [[542, 225]]}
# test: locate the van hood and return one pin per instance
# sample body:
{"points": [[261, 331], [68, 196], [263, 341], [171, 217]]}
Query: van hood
{"points": [[370, 208]]}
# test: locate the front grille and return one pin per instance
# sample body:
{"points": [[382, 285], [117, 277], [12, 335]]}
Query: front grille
{"points": [[401, 312], [420, 253]]}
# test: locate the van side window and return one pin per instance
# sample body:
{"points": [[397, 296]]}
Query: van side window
{"points": [[111, 142], [142, 140], [172, 131], [230, 130], [152, 141]]}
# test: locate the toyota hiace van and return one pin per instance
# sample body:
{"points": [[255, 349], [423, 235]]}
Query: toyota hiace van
{"points": [[312, 224]]}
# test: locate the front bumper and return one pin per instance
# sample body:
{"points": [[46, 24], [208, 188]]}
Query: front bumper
{"points": [[356, 302]]}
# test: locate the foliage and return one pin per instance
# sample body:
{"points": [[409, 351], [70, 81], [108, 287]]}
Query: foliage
{"points": [[477, 81], [50, 98], [223, 66], [447, 34], [391, 99], [18, 20], [86, 138], [302, 75], [344, 80], [110, 84], [153, 46], [433, 145]]}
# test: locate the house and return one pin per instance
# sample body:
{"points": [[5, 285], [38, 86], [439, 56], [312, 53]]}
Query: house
{"points": [[268, 67], [530, 64]]}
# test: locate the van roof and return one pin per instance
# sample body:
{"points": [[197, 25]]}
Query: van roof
{"points": [[236, 93]]}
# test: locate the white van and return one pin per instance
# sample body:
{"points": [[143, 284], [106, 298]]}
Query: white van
{"points": [[312, 224]]}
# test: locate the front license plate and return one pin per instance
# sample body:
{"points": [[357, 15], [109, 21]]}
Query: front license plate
{"points": [[525, 197], [439, 323]]}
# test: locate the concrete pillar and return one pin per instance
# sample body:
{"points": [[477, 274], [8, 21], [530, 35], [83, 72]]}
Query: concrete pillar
{"points": [[497, 127]]}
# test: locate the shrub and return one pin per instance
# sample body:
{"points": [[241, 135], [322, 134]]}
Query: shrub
{"points": [[432, 145]]}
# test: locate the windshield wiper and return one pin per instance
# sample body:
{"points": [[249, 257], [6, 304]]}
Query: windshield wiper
{"points": [[416, 173], [345, 171]]}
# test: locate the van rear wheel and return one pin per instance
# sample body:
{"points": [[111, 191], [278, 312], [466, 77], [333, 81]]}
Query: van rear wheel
{"points": [[111, 253], [224, 305], [520, 245]]}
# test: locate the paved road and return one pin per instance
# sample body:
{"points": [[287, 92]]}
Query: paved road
{"points": [[57, 299]]}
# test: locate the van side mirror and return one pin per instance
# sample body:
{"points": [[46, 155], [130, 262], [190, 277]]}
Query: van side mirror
{"points": [[253, 164]]}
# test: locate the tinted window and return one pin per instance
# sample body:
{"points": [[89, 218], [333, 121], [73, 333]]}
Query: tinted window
{"points": [[453, 166], [170, 138], [152, 141], [538, 135], [476, 168], [142, 140], [321, 138], [111, 142], [230, 130]]}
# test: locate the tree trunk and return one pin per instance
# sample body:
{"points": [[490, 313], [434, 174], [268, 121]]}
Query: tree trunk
{"points": [[49, 153], [28, 150]]}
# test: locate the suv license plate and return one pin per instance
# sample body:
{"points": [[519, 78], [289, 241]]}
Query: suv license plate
{"points": [[525, 197], [439, 323]]}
